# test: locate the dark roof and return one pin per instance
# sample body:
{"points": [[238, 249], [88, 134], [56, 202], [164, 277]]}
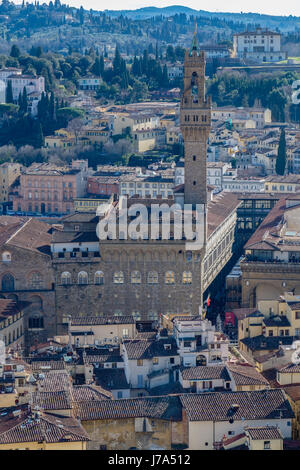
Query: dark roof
{"points": [[260, 433], [245, 374], [111, 379], [164, 407], [60, 236], [277, 320], [266, 342], [205, 373], [218, 406], [147, 349], [83, 321]]}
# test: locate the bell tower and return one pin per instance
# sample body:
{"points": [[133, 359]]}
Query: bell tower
{"points": [[195, 122]]}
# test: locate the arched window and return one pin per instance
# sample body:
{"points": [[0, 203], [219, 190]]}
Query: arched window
{"points": [[152, 277], [36, 322], [187, 277], [169, 277], [152, 316], [8, 283], [118, 313], [136, 277], [99, 277], [136, 316], [6, 257], [119, 277], [82, 278], [36, 304], [36, 281], [66, 278]]}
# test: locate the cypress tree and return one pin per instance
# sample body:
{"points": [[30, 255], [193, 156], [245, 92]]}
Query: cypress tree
{"points": [[281, 155], [15, 51], [24, 100], [9, 93]]}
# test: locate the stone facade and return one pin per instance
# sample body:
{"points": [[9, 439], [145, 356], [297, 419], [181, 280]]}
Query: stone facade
{"points": [[195, 123], [26, 275]]}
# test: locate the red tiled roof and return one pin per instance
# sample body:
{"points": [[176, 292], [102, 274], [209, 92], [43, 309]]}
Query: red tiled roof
{"points": [[49, 428]]}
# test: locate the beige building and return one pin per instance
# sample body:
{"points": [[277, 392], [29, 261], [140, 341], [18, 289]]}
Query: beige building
{"points": [[9, 172], [282, 184], [259, 116], [96, 331], [12, 323]]}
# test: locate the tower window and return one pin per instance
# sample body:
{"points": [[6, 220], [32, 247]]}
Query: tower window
{"points": [[194, 158], [194, 183]]}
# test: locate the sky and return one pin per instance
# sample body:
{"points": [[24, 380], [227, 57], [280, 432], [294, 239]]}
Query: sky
{"points": [[271, 7]]}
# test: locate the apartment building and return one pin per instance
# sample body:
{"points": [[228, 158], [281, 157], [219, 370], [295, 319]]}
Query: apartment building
{"points": [[238, 116], [261, 45], [151, 186], [50, 189]]}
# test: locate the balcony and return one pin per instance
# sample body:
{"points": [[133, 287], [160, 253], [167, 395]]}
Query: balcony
{"points": [[248, 259]]}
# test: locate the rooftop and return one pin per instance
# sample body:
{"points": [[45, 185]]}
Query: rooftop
{"points": [[221, 406]]}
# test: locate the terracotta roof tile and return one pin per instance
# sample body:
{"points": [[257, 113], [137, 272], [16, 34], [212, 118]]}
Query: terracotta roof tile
{"points": [[217, 406]]}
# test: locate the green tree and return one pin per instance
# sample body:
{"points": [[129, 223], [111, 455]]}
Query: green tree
{"points": [[15, 51], [9, 94], [281, 155], [96, 68]]}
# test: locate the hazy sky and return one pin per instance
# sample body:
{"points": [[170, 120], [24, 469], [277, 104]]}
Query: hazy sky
{"points": [[273, 7]]}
